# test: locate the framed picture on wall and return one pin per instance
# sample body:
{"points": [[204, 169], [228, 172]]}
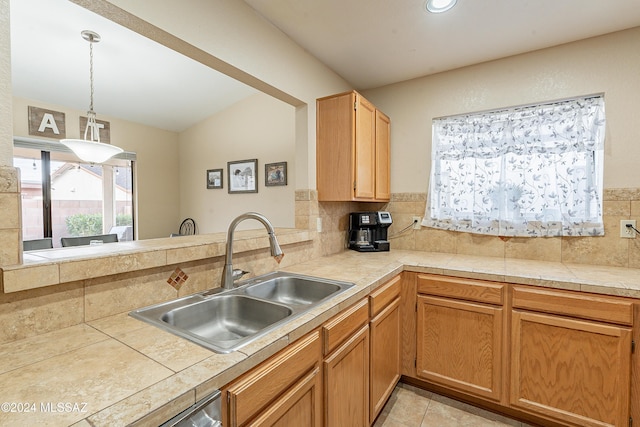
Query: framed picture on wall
{"points": [[275, 174], [214, 178], [242, 176]]}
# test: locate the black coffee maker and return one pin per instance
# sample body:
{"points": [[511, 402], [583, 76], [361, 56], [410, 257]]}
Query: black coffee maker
{"points": [[368, 231]]}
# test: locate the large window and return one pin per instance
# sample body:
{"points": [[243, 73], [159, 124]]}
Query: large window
{"points": [[525, 171], [63, 197]]}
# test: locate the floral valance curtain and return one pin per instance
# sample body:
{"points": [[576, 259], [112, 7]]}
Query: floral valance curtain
{"points": [[524, 171]]}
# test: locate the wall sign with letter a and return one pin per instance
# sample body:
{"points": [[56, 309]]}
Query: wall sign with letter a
{"points": [[48, 123]]}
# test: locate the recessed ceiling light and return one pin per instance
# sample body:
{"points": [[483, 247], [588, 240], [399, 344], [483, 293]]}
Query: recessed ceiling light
{"points": [[439, 6]]}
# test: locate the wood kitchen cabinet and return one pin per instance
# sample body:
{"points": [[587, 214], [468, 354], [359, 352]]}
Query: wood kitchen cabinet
{"points": [[385, 344], [352, 149], [459, 325], [383, 157], [346, 367], [286, 390], [571, 356]]}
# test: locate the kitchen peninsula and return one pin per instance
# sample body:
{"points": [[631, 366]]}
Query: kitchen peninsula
{"points": [[127, 372]]}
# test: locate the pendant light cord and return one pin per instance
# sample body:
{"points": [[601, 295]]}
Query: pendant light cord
{"points": [[91, 115], [91, 73]]}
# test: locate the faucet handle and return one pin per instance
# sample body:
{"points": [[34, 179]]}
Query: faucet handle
{"points": [[238, 273]]}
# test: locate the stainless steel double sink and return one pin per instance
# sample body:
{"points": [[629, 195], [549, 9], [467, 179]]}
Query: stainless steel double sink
{"points": [[225, 320]]}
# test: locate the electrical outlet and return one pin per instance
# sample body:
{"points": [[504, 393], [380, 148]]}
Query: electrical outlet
{"points": [[628, 232], [319, 224], [416, 222]]}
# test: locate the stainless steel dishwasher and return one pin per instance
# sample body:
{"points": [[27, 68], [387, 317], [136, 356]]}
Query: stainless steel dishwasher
{"points": [[205, 413]]}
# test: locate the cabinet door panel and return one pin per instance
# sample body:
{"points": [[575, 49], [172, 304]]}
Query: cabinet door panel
{"points": [[459, 345], [335, 134], [365, 149], [385, 356], [383, 156], [571, 370], [346, 387], [245, 397], [299, 406], [345, 324]]}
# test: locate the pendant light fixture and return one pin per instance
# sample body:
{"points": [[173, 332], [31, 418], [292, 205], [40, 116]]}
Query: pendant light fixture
{"points": [[91, 150], [439, 6]]}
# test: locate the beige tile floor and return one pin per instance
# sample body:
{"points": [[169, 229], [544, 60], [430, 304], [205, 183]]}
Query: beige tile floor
{"points": [[409, 406]]}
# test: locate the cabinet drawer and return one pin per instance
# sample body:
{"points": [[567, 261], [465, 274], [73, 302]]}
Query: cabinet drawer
{"points": [[338, 329], [459, 288], [253, 391], [384, 295], [573, 304]]}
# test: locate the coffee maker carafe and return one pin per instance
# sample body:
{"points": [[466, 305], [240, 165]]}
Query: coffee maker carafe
{"points": [[368, 231]]}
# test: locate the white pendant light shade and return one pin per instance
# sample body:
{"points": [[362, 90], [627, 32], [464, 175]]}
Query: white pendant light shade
{"points": [[91, 151]]}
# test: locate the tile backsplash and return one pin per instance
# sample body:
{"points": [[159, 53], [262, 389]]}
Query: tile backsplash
{"points": [[608, 250]]}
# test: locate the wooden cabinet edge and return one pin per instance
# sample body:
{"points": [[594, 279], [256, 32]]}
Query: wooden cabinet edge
{"points": [[305, 351], [482, 291], [600, 308], [343, 325], [384, 295]]}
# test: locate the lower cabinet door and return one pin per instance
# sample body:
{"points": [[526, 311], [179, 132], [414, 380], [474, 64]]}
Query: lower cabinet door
{"points": [[300, 406], [346, 388], [571, 370], [385, 356], [459, 345], [251, 397]]}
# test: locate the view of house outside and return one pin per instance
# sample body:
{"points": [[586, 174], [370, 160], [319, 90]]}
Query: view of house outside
{"points": [[76, 200]]}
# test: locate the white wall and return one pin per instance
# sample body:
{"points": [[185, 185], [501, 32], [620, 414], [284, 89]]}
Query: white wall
{"points": [[259, 127], [609, 64], [6, 131], [231, 31]]}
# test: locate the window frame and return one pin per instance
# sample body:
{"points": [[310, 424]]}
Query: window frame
{"points": [[22, 147]]}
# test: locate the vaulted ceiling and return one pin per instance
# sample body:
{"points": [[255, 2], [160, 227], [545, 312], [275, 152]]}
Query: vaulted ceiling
{"points": [[368, 43]]}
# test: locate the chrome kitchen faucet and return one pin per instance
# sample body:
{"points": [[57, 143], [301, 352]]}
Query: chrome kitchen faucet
{"points": [[229, 275]]}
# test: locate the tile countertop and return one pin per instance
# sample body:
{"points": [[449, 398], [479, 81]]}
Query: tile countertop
{"points": [[117, 370]]}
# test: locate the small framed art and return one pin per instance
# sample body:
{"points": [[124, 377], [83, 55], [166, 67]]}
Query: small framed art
{"points": [[214, 178], [242, 176], [275, 174]]}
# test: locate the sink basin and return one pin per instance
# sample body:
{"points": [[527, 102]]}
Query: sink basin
{"points": [[225, 320], [293, 290]]}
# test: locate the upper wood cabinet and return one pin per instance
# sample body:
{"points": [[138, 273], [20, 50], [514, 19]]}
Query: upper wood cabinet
{"points": [[352, 149]]}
